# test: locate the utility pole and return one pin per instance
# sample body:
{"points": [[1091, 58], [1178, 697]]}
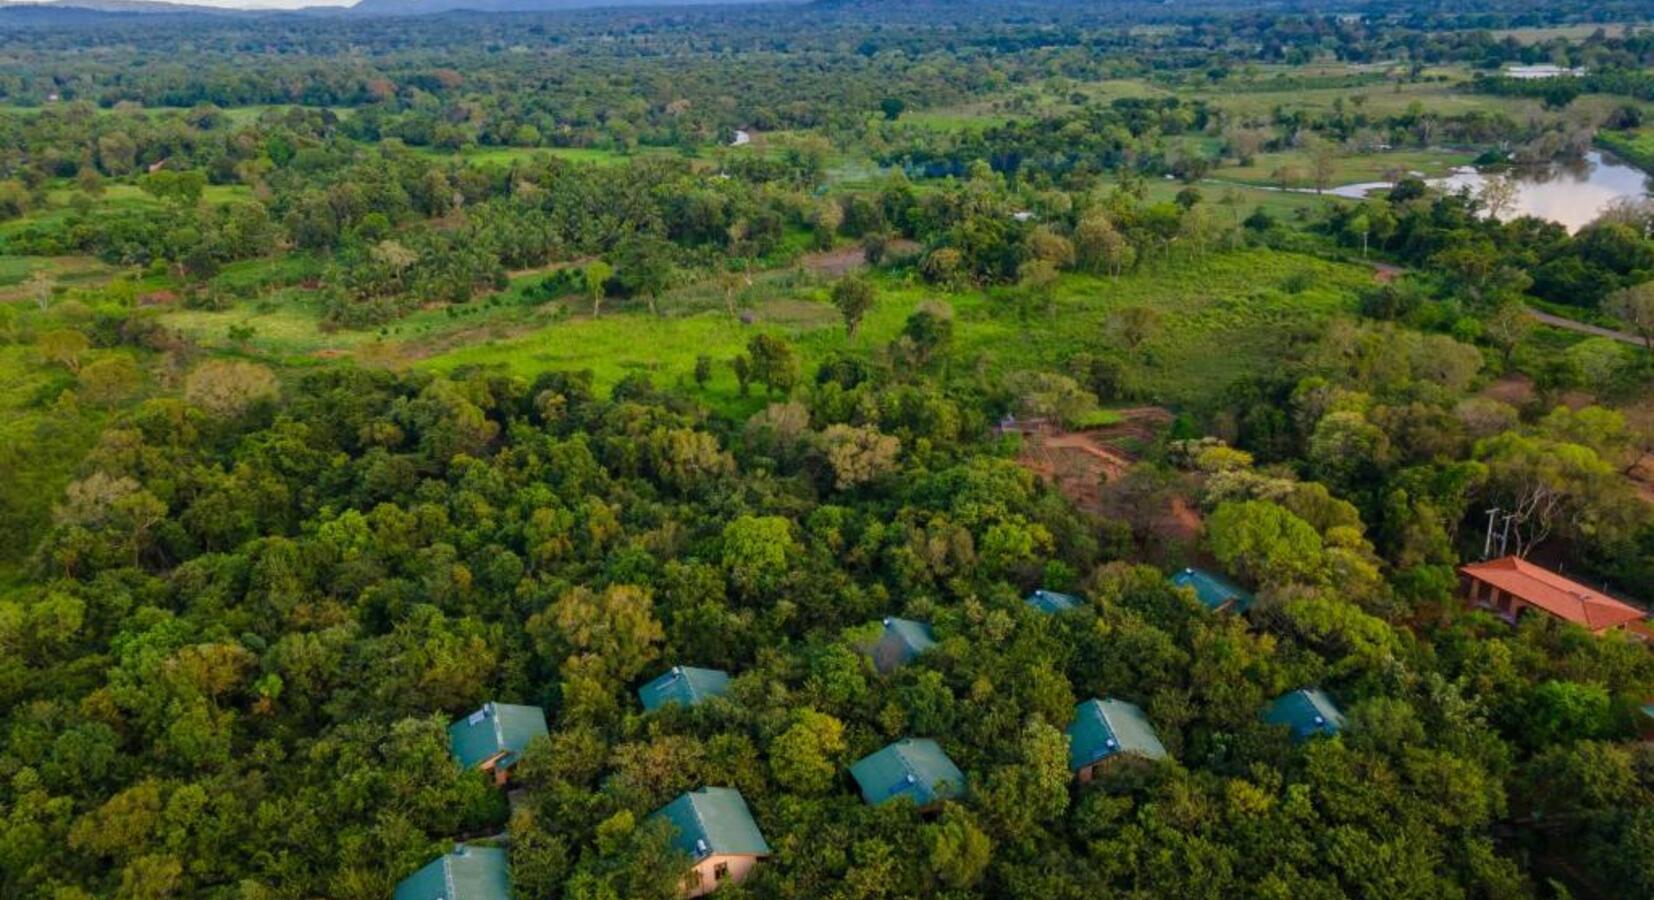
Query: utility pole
{"points": [[1487, 545], [1504, 537]]}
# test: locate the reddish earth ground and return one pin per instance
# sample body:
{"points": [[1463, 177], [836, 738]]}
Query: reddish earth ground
{"points": [[1080, 463], [844, 260], [1515, 390]]}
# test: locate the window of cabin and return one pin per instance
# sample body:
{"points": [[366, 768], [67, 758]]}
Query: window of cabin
{"points": [[720, 871]]}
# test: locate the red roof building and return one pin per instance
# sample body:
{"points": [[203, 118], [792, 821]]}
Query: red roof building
{"points": [[1509, 585]]}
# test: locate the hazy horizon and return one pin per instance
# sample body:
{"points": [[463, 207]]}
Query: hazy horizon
{"points": [[302, 4], [220, 4]]}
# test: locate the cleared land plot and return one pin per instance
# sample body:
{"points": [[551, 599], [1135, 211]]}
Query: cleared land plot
{"points": [[1221, 317]]}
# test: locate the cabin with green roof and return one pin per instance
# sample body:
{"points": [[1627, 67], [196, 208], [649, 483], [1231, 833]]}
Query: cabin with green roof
{"points": [[1308, 712], [1105, 732], [1050, 602], [466, 873], [684, 685], [714, 828], [1214, 592], [494, 737], [913, 768], [902, 640]]}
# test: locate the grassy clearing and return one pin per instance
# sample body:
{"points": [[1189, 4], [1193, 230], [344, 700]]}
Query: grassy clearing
{"points": [[956, 118], [1540, 35], [1352, 169], [116, 197], [1283, 206], [1636, 146], [66, 271], [1221, 317], [509, 156], [1026, 102]]}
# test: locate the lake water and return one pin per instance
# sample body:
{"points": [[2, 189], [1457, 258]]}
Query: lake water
{"points": [[1570, 194]]}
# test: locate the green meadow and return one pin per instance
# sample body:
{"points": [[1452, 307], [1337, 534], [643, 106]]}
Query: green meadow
{"points": [[1220, 317]]}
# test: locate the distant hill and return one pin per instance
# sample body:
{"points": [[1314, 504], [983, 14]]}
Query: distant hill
{"points": [[426, 7], [72, 8]]}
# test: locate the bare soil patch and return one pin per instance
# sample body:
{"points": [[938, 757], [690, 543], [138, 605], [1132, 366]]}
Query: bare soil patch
{"points": [[1080, 464]]}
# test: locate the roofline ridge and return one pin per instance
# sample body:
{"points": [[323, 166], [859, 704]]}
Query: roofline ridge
{"points": [[499, 730], [908, 768], [700, 823]]}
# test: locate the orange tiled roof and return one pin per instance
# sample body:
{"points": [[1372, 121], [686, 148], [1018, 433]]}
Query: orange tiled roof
{"points": [[1561, 597]]}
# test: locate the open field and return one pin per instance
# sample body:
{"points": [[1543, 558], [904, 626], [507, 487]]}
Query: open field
{"points": [[1258, 92], [1348, 168], [116, 196], [1221, 317], [507, 156], [1540, 35]]}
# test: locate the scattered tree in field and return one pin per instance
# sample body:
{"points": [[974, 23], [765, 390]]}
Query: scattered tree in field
{"points": [[927, 334], [645, 267], [180, 188], [1498, 194], [1323, 163], [1507, 327], [40, 288], [1037, 279], [853, 296], [1133, 325], [742, 367], [772, 363], [1635, 307], [595, 275]]}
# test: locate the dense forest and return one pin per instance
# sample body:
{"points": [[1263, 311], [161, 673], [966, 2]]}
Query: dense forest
{"points": [[360, 372]]}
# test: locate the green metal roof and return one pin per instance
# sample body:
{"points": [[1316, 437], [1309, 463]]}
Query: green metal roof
{"points": [[685, 686], [913, 768], [1308, 712], [714, 821], [1102, 728], [1213, 591], [468, 873], [903, 639], [494, 728], [1053, 602]]}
